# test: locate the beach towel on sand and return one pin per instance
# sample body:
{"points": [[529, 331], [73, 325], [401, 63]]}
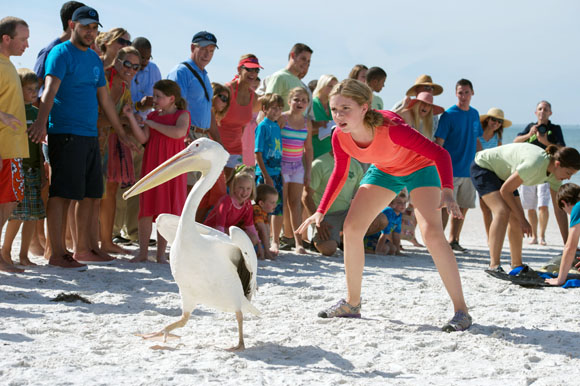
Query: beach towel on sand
{"points": [[527, 277]]}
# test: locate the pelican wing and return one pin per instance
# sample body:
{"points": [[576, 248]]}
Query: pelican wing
{"points": [[249, 261], [167, 226]]}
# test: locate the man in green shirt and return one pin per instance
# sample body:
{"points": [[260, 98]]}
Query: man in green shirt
{"points": [[327, 237]]}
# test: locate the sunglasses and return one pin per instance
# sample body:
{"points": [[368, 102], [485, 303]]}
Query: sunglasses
{"points": [[128, 64], [123, 42], [223, 98], [496, 120], [256, 70]]}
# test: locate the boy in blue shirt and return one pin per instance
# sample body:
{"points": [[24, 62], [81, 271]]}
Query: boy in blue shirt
{"points": [[569, 201], [268, 152], [388, 241]]}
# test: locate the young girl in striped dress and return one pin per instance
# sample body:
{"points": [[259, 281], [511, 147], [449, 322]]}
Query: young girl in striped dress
{"points": [[296, 158]]}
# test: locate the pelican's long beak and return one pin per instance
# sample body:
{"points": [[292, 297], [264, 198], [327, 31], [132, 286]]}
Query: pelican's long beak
{"points": [[182, 162]]}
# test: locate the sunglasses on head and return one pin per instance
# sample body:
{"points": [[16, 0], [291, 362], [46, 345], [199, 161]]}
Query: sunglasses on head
{"points": [[128, 64], [124, 42], [496, 120], [223, 98], [256, 70]]}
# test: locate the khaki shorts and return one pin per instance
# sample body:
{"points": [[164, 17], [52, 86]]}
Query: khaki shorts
{"points": [[464, 192], [336, 221]]}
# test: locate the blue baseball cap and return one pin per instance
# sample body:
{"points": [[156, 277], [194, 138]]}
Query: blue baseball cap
{"points": [[86, 15], [204, 38]]}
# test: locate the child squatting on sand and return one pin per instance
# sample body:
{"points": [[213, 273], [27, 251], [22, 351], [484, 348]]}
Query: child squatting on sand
{"points": [[569, 201], [235, 208], [266, 201], [400, 157]]}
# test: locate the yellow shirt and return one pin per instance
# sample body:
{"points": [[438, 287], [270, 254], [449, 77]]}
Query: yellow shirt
{"points": [[13, 143]]}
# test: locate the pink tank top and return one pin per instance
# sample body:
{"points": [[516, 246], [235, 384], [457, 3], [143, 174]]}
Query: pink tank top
{"points": [[232, 125]]}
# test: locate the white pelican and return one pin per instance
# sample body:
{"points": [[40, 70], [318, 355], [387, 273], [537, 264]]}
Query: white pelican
{"points": [[209, 267]]}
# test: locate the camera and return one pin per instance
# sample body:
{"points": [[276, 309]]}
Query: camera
{"points": [[542, 129]]}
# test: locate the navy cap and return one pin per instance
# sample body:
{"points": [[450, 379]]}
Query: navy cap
{"points": [[86, 15], [204, 38]]}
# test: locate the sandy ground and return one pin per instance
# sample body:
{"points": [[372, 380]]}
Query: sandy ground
{"points": [[520, 336]]}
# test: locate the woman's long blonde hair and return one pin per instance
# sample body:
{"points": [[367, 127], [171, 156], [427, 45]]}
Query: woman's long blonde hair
{"points": [[427, 121]]}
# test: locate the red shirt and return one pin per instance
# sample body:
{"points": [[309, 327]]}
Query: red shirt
{"points": [[398, 150]]}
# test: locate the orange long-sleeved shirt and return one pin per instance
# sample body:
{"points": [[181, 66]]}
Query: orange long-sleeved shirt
{"points": [[397, 149]]}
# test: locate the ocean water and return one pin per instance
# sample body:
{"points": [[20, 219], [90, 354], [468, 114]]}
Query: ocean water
{"points": [[571, 137]]}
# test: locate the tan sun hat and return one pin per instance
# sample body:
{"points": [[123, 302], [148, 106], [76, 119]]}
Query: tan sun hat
{"points": [[424, 80], [495, 113], [426, 97]]}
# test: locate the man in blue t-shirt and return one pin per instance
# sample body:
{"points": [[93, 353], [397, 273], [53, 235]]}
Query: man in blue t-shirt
{"points": [[74, 90], [457, 132]]}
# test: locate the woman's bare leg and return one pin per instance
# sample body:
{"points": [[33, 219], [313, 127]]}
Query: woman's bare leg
{"points": [[500, 217], [426, 201], [368, 201]]}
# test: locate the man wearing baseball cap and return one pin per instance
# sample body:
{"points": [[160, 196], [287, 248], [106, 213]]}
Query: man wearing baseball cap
{"points": [[74, 90], [196, 89], [195, 85]]}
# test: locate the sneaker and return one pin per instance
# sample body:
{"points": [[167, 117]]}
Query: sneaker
{"points": [[286, 243], [456, 247], [461, 321], [341, 310]]}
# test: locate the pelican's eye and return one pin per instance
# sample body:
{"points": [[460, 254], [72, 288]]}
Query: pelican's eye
{"points": [[197, 145]]}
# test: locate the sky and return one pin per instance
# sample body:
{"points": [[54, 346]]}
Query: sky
{"points": [[515, 52]]}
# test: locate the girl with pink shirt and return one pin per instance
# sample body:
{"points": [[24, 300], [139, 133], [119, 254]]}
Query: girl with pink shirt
{"points": [[400, 157], [236, 207]]}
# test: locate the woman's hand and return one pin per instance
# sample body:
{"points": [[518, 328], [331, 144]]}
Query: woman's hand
{"points": [[316, 218], [555, 281], [268, 180], [526, 227], [448, 202]]}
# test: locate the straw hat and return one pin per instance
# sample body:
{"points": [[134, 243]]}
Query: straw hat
{"points": [[495, 113], [426, 97], [424, 80]]}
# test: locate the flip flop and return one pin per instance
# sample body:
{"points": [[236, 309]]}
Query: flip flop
{"points": [[498, 273]]}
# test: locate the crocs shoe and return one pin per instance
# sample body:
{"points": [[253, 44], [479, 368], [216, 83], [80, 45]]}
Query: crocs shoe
{"points": [[456, 247], [461, 321], [341, 310]]}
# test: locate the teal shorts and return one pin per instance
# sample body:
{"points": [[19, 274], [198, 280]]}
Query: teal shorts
{"points": [[421, 178]]}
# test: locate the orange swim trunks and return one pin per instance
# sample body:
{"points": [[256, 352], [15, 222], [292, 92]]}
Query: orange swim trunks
{"points": [[11, 181]]}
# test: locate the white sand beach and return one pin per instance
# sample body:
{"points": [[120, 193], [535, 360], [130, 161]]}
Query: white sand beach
{"points": [[520, 336]]}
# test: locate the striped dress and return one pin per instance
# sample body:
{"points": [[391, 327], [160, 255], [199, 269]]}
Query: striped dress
{"points": [[293, 143]]}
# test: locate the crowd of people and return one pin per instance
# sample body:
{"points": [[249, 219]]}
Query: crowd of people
{"points": [[95, 115]]}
